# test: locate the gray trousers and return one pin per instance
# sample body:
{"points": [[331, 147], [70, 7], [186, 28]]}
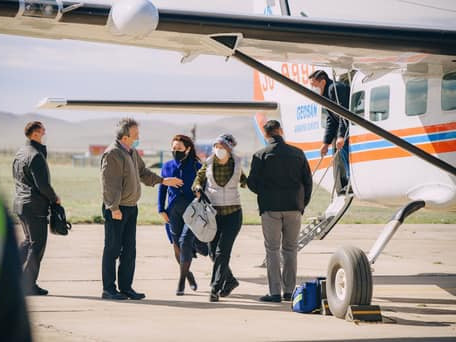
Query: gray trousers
{"points": [[280, 231]]}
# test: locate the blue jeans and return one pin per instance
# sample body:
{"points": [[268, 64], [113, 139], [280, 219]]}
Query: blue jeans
{"points": [[345, 156], [341, 169]]}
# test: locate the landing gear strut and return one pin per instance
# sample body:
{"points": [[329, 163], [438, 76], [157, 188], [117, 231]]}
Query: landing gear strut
{"points": [[349, 277]]}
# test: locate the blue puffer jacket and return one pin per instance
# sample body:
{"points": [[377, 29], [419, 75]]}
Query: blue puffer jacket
{"points": [[187, 172]]}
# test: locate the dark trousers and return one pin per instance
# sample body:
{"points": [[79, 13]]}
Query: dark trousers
{"points": [[120, 242], [182, 235], [228, 227], [33, 246], [341, 167]]}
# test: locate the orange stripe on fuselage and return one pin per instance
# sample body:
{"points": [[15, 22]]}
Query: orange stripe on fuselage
{"points": [[324, 164], [406, 132], [306, 146], [258, 94], [389, 153], [396, 152]]}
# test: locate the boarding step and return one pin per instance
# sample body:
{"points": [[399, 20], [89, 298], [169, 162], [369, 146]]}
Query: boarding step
{"points": [[320, 226]]}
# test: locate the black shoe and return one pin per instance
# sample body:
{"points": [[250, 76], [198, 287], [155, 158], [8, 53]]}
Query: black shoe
{"points": [[226, 291], [192, 282], [113, 295], [214, 296], [35, 290], [132, 294], [180, 287], [287, 297], [271, 298]]}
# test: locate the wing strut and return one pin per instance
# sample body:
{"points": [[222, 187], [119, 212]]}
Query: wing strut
{"points": [[334, 107]]}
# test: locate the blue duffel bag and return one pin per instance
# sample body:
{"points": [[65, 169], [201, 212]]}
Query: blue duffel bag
{"points": [[306, 298]]}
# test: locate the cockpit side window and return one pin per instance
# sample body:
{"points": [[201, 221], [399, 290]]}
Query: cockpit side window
{"points": [[379, 103], [416, 93], [449, 91], [357, 104]]}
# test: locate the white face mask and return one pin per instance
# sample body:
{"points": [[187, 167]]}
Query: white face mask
{"points": [[315, 90], [221, 153]]}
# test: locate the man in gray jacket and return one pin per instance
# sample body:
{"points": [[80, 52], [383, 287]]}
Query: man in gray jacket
{"points": [[122, 169], [34, 194]]}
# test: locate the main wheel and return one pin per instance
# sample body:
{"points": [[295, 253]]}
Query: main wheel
{"points": [[349, 280]]}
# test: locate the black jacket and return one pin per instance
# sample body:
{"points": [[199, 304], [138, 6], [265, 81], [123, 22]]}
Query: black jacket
{"points": [[335, 125], [280, 176], [34, 192]]}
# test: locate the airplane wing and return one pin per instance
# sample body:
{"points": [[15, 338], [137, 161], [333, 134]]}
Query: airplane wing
{"points": [[339, 44], [248, 108]]}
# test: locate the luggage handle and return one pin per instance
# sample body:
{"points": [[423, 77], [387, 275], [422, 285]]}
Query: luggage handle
{"points": [[203, 197]]}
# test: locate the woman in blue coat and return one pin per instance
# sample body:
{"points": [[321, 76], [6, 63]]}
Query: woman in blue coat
{"points": [[184, 165]]}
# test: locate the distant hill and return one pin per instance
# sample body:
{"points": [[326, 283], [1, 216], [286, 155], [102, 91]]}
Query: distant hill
{"points": [[65, 136]]}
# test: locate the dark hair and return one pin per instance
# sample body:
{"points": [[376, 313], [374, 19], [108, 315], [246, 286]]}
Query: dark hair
{"points": [[188, 142], [319, 75], [123, 127], [271, 127], [31, 127]]}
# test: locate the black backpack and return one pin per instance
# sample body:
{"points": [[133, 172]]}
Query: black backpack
{"points": [[58, 223]]}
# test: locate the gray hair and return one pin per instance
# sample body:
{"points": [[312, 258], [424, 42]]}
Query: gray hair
{"points": [[123, 127]]}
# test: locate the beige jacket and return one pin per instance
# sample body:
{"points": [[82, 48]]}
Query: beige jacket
{"points": [[121, 173]]}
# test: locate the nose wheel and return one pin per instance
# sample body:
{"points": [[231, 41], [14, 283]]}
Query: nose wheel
{"points": [[349, 280]]}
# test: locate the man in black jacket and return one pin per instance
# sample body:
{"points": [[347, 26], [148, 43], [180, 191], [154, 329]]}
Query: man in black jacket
{"points": [[34, 194], [280, 176], [336, 131]]}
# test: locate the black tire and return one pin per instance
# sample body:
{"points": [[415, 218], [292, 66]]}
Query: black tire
{"points": [[350, 264]]}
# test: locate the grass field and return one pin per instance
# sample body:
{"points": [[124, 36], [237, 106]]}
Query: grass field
{"points": [[80, 191]]}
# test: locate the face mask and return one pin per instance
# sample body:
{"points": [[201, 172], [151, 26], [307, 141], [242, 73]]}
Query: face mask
{"points": [[135, 144], [315, 90], [179, 155], [43, 139], [221, 153]]}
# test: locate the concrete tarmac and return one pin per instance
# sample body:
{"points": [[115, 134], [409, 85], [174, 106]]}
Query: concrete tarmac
{"points": [[415, 285]]}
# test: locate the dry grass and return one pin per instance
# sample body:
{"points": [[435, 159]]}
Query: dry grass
{"points": [[80, 191]]}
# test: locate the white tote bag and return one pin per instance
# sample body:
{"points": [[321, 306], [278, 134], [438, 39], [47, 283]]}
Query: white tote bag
{"points": [[200, 217]]}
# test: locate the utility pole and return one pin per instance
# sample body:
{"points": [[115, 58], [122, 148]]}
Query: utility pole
{"points": [[193, 132]]}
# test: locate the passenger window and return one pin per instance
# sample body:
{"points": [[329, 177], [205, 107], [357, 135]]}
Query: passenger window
{"points": [[357, 104], [324, 115], [416, 97], [379, 103], [449, 91]]}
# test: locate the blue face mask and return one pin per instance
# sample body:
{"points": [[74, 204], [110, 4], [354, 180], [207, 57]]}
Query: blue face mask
{"points": [[135, 144]]}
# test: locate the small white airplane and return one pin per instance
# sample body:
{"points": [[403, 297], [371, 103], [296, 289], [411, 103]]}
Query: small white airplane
{"points": [[403, 98]]}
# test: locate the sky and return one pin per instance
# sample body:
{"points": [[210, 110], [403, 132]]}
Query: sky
{"points": [[32, 69]]}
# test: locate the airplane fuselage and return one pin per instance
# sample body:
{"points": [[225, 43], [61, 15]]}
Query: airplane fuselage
{"points": [[419, 110]]}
